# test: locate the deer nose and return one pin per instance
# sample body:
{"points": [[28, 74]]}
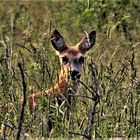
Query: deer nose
{"points": [[75, 75]]}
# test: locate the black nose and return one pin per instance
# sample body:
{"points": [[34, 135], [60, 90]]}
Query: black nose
{"points": [[75, 75]]}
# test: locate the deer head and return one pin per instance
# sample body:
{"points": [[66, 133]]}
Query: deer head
{"points": [[72, 57]]}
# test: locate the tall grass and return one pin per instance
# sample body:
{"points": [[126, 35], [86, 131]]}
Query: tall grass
{"points": [[25, 31]]}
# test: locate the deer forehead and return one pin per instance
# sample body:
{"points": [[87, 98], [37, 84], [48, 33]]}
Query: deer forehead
{"points": [[71, 52]]}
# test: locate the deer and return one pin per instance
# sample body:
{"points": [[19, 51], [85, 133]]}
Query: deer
{"points": [[71, 61]]}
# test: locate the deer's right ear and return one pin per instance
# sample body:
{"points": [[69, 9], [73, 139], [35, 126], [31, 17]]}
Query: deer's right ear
{"points": [[58, 41]]}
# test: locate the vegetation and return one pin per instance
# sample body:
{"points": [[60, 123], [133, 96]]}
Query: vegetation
{"points": [[25, 29]]}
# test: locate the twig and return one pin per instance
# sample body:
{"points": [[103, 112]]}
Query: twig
{"points": [[88, 130], [23, 102], [23, 46], [76, 133], [89, 2], [90, 90], [80, 96]]}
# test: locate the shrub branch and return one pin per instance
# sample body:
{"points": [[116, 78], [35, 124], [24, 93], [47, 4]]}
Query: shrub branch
{"points": [[21, 120]]}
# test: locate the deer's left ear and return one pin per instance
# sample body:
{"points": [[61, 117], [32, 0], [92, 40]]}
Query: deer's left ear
{"points": [[87, 42]]}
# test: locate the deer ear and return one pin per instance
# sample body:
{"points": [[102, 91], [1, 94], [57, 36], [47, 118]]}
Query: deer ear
{"points": [[58, 41], [87, 42]]}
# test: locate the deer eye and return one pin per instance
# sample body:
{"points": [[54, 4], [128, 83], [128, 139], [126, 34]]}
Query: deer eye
{"points": [[81, 60], [65, 60]]}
